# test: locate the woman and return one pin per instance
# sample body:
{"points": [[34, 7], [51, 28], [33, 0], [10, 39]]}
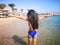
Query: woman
{"points": [[32, 19]]}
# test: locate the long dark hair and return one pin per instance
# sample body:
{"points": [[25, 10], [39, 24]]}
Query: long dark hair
{"points": [[33, 19]]}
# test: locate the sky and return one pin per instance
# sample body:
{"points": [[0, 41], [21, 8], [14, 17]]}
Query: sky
{"points": [[37, 5]]}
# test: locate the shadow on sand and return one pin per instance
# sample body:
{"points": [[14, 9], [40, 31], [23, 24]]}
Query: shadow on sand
{"points": [[19, 40]]}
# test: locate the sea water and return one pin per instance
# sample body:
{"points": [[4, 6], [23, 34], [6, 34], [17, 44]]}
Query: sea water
{"points": [[49, 31]]}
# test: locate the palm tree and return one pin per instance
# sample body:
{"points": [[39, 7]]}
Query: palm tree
{"points": [[4, 12], [12, 7], [2, 6]]}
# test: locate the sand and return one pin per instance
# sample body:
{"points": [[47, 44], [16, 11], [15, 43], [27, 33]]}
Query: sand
{"points": [[12, 26], [13, 31]]}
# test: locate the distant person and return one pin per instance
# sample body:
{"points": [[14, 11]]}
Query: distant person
{"points": [[32, 19]]}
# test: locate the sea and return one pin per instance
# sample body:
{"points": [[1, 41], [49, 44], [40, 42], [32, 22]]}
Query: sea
{"points": [[49, 31]]}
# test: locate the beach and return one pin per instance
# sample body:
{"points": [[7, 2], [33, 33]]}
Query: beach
{"points": [[13, 31], [11, 28]]}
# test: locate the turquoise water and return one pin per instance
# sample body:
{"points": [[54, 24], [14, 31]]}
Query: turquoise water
{"points": [[49, 31]]}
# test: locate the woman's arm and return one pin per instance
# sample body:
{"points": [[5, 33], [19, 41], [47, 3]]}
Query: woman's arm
{"points": [[45, 16], [19, 17]]}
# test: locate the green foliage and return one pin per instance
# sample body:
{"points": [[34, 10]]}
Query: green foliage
{"points": [[2, 6], [11, 5]]}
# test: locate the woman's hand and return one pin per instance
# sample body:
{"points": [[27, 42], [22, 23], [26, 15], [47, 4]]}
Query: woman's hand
{"points": [[19, 17], [45, 16], [52, 14], [11, 15]]}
